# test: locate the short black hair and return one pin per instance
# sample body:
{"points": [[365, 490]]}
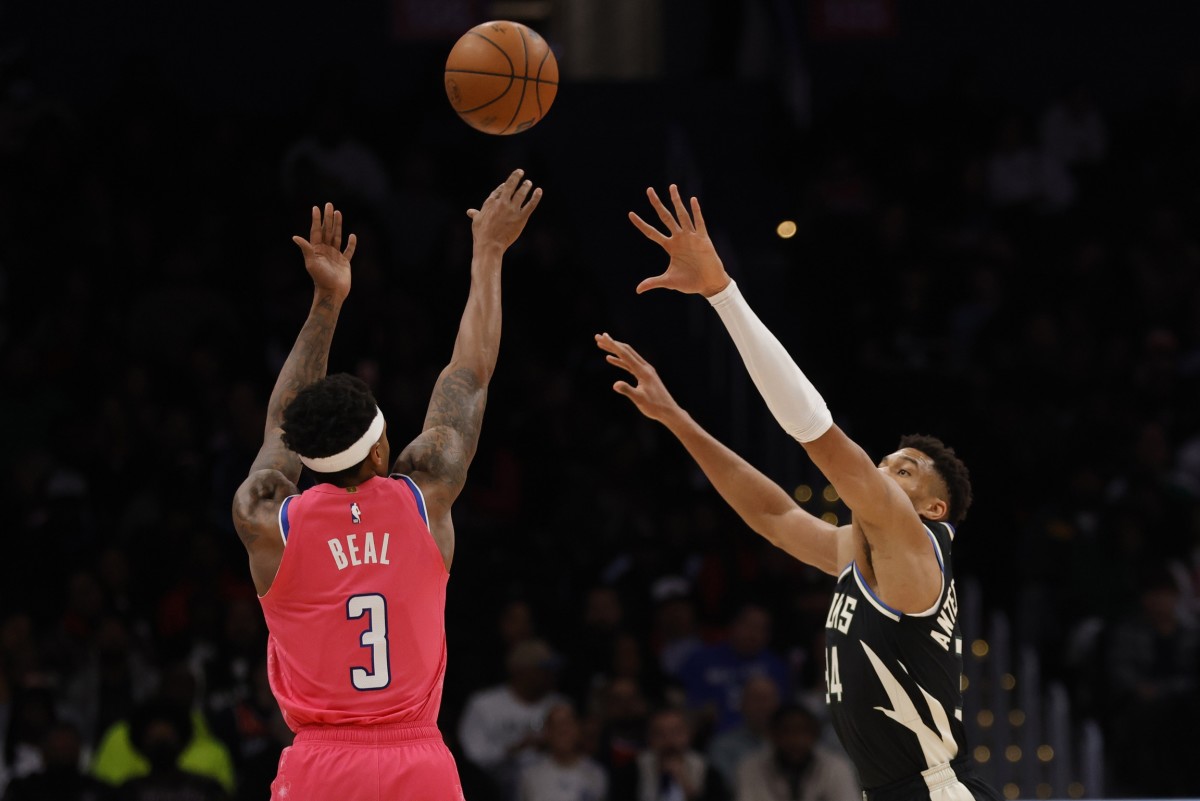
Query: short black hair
{"points": [[950, 469], [328, 416]]}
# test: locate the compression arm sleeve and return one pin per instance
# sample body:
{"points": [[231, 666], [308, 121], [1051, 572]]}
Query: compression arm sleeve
{"points": [[790, 396]]}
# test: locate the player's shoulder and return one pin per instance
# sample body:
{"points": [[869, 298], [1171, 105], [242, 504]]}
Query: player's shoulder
{"points": [[940, 529]]}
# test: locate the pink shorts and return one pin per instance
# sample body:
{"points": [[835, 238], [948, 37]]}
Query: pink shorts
{"points": [[367, 763]]}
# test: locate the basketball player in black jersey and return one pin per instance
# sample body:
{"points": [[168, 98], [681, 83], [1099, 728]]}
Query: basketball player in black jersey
{"points": [[893, 646]]}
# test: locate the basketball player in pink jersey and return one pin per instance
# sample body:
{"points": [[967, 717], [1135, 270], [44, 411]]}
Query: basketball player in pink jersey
{"points": [[352, 573]]}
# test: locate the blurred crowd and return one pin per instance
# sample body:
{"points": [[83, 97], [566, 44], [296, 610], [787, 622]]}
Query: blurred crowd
{"points": [[1023, 282]]}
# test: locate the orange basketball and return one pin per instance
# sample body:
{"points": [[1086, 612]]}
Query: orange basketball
{"points": [[501, 77]]}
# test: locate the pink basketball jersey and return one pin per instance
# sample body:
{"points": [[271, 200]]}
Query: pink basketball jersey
{"points": [[356, 614]]}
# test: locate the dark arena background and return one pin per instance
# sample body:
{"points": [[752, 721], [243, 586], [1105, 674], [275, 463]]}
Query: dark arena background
{"points": [[974, 220]]}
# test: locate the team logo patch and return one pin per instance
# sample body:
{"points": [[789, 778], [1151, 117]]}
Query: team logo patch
{"points": [[355, 513]]}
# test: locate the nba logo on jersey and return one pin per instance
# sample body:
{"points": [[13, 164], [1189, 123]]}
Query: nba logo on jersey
{"points": [[355, 513]]}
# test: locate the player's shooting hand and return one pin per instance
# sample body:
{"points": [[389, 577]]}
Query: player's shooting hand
{"points": [[324, 258], [648, 393], [695, 267], [503, 215]]}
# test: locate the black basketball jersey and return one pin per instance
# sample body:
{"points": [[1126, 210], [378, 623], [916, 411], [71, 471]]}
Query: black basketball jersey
{"points": [[892, 680]]}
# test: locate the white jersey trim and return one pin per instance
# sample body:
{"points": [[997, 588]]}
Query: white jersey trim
{"points": [[283, 507], [937, 604], [883, 608]]}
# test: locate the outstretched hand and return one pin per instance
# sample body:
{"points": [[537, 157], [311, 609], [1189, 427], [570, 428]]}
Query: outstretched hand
{"points": [[503, 215], [695, 267], [324, 258], [648, 393]]}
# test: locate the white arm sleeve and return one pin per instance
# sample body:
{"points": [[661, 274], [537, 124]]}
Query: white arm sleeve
{"points": [[790, 396]]}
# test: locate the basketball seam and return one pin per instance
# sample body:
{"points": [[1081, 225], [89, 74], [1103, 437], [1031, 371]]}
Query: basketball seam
{"points": [[524, 80], [502, 75], [537, 90], [494, 99], [512, 72]]}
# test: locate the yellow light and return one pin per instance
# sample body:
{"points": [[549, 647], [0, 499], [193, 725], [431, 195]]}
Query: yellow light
{"points": [[1012, 791], [1075, 790], [829, 493], [1044, 790], [982, 754], [979, 648], [985, 718], [786, 229], [963, 683], [1013, 753], [830, 517], [803, 494], [1016, 717], [1045, 753], [1008, 681]]}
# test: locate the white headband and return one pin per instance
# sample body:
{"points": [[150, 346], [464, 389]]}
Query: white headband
{"points": [[351, 455]]}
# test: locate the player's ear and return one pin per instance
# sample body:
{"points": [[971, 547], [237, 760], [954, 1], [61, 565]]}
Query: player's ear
{"points": [[935, 509]]}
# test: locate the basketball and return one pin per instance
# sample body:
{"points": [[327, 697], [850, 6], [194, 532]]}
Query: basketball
{"points": [[501, 77]]}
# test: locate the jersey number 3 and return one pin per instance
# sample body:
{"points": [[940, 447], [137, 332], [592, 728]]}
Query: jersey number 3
{"points": [[375, 638]]}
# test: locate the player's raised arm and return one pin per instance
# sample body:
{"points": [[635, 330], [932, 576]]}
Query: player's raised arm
{"points": [[759, 501], [439, 457], [881, 508], [275, 470]]}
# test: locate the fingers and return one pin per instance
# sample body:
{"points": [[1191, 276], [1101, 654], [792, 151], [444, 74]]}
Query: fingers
{"points": [[623, 354], [336, 242], [327, 224], [663, 214], [623, 388], [533, 201], [305, 248], [514, 181], [472, 212], [685, 221], [351, 244], [652, 233], [314, 230], [655, 282], [698, 217]]}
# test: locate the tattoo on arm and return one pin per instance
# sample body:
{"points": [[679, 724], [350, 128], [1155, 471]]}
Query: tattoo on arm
{"points": [[452, 427], [307, 363], [255, 503]]}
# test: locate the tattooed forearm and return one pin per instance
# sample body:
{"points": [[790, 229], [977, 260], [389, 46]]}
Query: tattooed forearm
{"points": [[307, 362]]}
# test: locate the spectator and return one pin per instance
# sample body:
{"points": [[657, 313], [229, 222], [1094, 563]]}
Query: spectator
{"points": [[118, 758], [620, 707], [501, 727], [61, 778], [760, 699], [29, 718], [714, 676], [676, 635], [160, 730], [668, 769], [1153, 664], [563, 772], [795, 767]]}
